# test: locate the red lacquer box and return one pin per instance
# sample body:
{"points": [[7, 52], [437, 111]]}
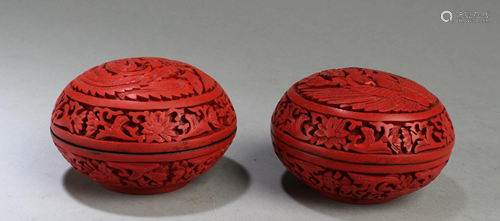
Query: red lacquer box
{"points": [[362, 136], [143, 125]]}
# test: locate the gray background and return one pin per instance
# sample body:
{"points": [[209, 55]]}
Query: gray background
{"points": [[256, 50]]}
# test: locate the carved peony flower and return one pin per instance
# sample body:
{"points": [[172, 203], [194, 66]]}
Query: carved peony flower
{"points": [[330, 133], [158, 127]]}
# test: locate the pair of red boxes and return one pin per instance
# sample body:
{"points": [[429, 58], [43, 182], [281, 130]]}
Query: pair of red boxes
{"points": [[150, 125]]}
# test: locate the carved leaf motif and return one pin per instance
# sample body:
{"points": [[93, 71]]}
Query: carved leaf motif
{"points": [[57, 112], [331, 180], [193, 80], [408, 183], [362, 185], [213, 118], [416, 130], [369, 145], [65, 120], [198, 122], [422, 145], [134, 172], [293, 119], [399, 138], [394, 139], [427, 176], [283, 116], [208, 82], [333, 73], [115, 130], [178, 170], [92, 123], [294, 127], [156, 177], [308, 172], [338, 82], [78, 120], [345, 186], [317, 81], [407, 144], [369, 135], [428, 142], [96, 170], [225, 111]]}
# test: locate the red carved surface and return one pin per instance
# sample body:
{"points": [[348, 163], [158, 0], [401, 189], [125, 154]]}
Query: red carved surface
{"points": [[142, 106], [372, 130], [149, 174], [352, 187], [143, 79], [155, 126], [366, 90]]}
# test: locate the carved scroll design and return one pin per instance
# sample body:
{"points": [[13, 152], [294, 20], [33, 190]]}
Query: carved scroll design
{"points": [[143, 79], [358, 185], [174, 124], [142, 175], [359, 136], [366, 90]]}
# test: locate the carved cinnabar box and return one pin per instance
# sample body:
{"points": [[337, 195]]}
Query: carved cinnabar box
{"points": [[143, 125], [362, 136]]}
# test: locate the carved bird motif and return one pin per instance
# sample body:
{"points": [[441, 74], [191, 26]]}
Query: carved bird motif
{"points": [[143, 79], [367, 90]]}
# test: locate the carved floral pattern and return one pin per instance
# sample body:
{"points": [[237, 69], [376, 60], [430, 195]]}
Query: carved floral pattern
{"points": [[362, 137], [142, 175], [70, 114], [143, 126], [158, 128], [358, 185], [330, 133]]}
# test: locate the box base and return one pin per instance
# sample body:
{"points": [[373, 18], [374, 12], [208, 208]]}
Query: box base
{"points": [[353, 200], [158, 190]]}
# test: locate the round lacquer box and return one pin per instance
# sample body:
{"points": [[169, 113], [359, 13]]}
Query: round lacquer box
{"points": [[143, 125], [362, 136]]}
